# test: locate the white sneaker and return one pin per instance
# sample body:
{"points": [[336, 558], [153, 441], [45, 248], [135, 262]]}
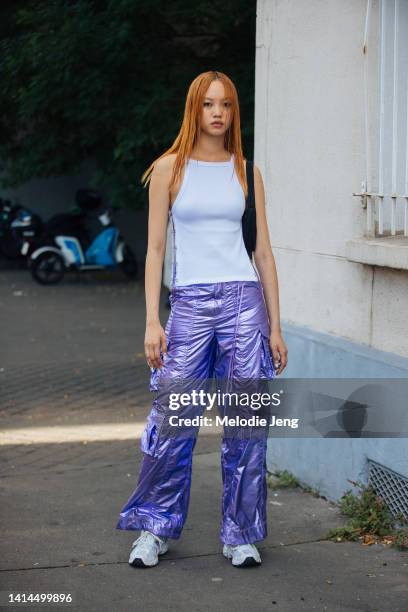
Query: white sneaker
{"points": [[242, 555], [146, 550]]}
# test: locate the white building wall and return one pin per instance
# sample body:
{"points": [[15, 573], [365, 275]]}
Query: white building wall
{"points": [[339, 318], [309, 145]]}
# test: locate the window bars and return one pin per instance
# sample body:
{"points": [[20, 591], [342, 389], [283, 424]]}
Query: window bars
{"points": [[386, 127]]}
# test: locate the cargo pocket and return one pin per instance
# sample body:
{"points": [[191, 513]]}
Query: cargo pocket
{"points": [[267, 367], [151, 433]]}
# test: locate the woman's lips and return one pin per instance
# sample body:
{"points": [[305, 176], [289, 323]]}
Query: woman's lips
{"points": [[217, 124]]}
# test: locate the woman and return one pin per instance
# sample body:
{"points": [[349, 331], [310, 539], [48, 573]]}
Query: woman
{"points": [[224, 324]]}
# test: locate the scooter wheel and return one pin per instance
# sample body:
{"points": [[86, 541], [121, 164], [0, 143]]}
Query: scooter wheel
{"points": [[48, 268]]}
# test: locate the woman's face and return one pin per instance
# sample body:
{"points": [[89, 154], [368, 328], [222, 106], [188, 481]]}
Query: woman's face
{"points": [[216, 110]]}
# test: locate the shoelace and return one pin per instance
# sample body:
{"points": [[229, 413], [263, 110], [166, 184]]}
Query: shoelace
{"points": [[245, 551], [246, 548], [144, 537]]}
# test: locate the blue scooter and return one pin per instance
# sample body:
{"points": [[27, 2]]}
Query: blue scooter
{"points": [[68, 251]]}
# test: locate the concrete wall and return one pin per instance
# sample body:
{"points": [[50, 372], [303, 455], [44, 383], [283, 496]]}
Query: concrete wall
{"points": [[326, 464], [309, 145]]}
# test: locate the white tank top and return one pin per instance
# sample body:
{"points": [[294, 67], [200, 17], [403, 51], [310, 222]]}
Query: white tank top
{"points": [[208, 245]]}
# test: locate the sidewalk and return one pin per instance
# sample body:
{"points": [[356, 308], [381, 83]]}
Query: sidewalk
{"points": [[74, 383]]}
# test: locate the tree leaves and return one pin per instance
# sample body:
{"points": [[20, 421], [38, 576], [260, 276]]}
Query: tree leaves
{"points": [[106, 80]]}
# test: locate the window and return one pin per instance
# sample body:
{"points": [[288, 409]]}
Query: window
{"points": [[385, 185]]}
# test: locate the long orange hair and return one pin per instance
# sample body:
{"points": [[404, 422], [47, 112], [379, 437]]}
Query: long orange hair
{"points": [[190, 128]]}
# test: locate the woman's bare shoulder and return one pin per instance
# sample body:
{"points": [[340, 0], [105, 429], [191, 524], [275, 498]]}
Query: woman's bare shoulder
{"points": [[165, 164], [257, 173]]}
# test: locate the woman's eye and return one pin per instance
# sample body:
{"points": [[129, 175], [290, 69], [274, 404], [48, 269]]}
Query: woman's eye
{"points": [[226, 104]]}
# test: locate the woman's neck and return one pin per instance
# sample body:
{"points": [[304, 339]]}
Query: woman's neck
{"points": [[210, 151]]}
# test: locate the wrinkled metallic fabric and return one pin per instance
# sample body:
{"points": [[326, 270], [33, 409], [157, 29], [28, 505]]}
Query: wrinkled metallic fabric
{"points": [[218, 332]]}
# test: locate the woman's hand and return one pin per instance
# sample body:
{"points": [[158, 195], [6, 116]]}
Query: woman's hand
{"points": [[155, 338], [279, 351]]}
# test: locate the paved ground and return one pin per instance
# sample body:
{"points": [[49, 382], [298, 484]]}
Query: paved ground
{"points": [[74, 397]]}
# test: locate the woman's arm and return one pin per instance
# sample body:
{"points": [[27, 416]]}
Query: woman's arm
{"points": [[265, 264], [155, 337]]}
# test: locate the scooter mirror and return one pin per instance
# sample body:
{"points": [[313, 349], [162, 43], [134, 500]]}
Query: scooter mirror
{"points": [[105, 218]]}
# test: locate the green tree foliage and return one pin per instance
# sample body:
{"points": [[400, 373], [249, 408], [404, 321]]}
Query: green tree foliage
{"points": [[106, 80]]}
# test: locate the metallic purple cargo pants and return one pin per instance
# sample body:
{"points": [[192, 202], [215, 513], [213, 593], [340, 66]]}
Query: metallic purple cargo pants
{"points": [[214, 331]]}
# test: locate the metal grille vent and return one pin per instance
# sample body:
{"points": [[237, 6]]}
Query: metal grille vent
{"points": [[391, 486]]}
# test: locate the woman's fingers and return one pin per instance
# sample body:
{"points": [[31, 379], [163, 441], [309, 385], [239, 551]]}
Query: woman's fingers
{"points": [[283, 351], [148, 355], [152, 352], [164, 343], [276, 356], [280, 356]]}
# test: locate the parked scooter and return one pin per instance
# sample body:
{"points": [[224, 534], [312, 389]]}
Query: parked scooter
{"points": [[67, 245], [18, 225]]}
